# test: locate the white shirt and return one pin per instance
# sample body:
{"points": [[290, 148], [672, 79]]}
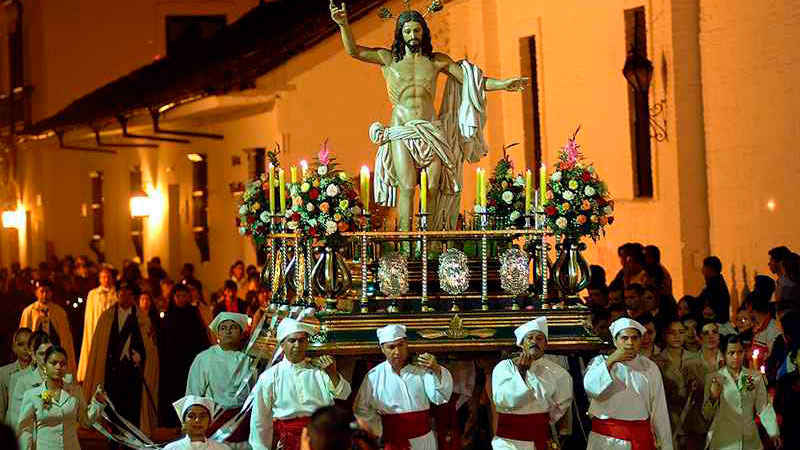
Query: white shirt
{"points": [[733, 426], [632, 390], [385, 392], [546, 388], [186, 444], [219, 375], [286, 391]]}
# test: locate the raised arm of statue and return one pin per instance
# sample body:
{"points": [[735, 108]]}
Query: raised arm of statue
{"points": [[453, 69], [371, 55]]}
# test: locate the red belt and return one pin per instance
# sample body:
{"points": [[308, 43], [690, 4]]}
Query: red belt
{"points": [[637, 432], [290, 430], [525, 427], [398, 429], [445, 416]]}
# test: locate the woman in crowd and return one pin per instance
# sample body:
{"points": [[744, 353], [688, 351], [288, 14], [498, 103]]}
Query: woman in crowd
{"points": [[734, 396], [147, 307], [51, 412], [182, 335], [712, 357]]}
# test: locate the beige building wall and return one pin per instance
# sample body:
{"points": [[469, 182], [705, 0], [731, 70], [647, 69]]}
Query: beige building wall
{"points": [[751, 97], [323, 94]]}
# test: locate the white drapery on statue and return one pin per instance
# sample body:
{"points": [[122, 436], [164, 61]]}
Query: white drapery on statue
{"points": [[456, 137]]}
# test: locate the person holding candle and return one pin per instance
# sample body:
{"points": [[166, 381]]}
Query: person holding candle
{"points": [[734, 395]]}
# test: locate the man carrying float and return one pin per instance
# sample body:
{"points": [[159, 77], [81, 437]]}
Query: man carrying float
{"points": [[529, 392], [395, 396]]}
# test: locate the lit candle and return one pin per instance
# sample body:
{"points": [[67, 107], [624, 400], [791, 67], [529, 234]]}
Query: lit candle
{"points": [[365, 188], [271, 190], [293, 174], [304, 168], [528, 190], [282, 190], [543, 184], [423, 191]]}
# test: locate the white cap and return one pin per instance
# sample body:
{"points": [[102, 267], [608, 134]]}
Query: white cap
{"points": [[537, 324], [183, 405], [623, 323], [290, 326], [391, 333], [240, 319]]}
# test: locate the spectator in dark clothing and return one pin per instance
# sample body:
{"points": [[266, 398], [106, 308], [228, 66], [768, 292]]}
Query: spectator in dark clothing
{"points": [[715, 291], [764, 285], [230, 301], [775, 363], [787, 397]]}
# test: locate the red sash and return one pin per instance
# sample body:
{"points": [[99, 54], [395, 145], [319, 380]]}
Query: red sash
{"points": [[290, 430], [637, 432], [445, 416], [398, 429], [525, 427]]}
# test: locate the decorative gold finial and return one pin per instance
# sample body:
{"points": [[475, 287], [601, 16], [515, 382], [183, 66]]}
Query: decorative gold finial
{"points": [[435, 6]]}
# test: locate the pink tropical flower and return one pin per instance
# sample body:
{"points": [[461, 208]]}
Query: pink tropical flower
{"points": [[324, 153]]}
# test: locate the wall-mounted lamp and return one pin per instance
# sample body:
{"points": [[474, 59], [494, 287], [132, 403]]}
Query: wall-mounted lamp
{"points": [[638, 70], [14, 219]]}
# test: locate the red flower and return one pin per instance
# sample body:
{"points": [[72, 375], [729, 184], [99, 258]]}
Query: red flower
{"points": [[550, 210], [312, 231], [260, 229], [313, 193], [491, 202], [295, 217], [601, 202], [351, 194], [586, 177], [251, 219], [238, 221]]}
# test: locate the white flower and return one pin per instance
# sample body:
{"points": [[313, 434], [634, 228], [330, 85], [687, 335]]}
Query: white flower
{"points": [[568, 195], [243, 210], [514, 216], [478, 208], [292, 225], [508, 197], [322, 170], [561, 222], [332, 190], [305, 187], [242, 231], [519, 181], [312, 222], [608, 210], [588, 191], [330, 227], [264, 217], [556, 176], [310, 207]]}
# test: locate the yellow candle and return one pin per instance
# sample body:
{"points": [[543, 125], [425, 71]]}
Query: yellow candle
{"points": [[304, 168], [528, 191], [543, 184], [423, 192], [271, 190], [478, 186], [293, 174], [365, 188], [282, 190]]}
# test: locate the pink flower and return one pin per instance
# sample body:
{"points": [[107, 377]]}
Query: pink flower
{"points": [[324, 153]]}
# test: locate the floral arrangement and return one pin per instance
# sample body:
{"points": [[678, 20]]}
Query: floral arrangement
{"points": [[325, 202], [506, 195], [48, 397], [254, 216], [577, 203], [746, 382]]}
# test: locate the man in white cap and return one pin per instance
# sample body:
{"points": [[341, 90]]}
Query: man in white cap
{"points": [[395, 396], [628, 407], [529, 392], [223, 372], [291, 390], [195, 413]]}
